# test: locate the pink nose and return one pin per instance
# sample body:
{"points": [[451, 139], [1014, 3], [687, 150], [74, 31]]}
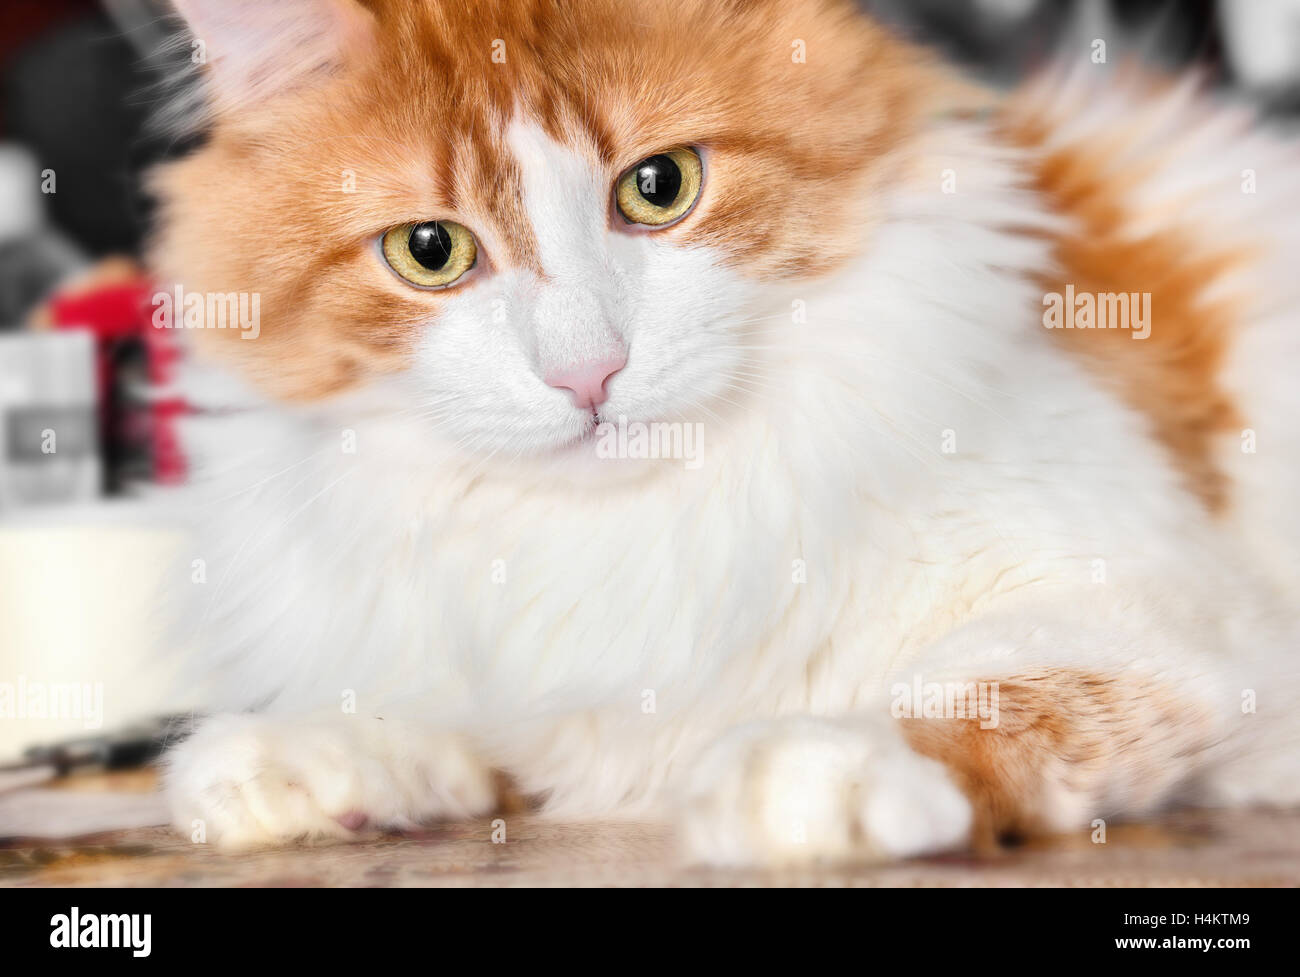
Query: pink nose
{"points": [[586, 381]]}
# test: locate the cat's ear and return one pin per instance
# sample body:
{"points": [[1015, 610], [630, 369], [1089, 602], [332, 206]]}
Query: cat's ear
{"points": [[251, 49]]}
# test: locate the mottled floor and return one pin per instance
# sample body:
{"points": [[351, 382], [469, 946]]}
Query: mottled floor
{"points": [[1253, 848]]}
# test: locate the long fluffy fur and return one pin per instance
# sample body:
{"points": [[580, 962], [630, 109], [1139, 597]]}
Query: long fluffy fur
{"points": [[908, 476]]}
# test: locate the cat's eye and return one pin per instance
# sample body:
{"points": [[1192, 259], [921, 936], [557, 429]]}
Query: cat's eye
{"points": [[431, 254], [660, 189]]}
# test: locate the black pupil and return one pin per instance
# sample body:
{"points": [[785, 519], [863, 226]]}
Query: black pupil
{"points": [[659, 179], [430, 245]]}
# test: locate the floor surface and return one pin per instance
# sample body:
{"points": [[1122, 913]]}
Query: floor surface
{"points": [[1193, 848]]}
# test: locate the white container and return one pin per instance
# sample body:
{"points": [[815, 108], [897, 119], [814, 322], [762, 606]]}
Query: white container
{"points": [[49, 437], [82, 651]]}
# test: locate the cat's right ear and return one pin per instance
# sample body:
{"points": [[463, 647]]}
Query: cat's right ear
{"points": [[251, 49]]}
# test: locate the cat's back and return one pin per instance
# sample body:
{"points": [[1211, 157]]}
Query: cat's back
{"points": [[1174, 280]]}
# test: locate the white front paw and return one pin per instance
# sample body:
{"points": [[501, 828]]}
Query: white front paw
{"points": [[244, 781], [805, 789]]}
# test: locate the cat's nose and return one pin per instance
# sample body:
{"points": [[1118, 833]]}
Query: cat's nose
{"points": [[586, 381]]}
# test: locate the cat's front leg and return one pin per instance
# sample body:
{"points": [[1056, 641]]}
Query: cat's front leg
{"points": [[1059, 748], [804, 789], [246, 780]]}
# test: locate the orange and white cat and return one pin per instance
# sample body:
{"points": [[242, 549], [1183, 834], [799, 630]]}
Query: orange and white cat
{"points": [[718, 412]]}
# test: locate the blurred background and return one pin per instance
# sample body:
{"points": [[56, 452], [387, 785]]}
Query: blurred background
{"points": [[86, 414]]}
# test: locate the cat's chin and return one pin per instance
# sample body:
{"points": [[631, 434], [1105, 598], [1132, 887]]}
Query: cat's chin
{"points": [[585, 436], [596, 453]]}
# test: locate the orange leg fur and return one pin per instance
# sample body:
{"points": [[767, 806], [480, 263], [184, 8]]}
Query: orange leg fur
{"points": [[1069, 746]]}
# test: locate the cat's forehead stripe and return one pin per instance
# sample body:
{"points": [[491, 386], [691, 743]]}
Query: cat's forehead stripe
{"points": [[564, 196], [487, 178], [722, 79]]}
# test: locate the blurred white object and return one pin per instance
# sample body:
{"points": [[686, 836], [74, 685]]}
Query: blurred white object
{"points": [[69, 813], [1262, 38], [20, 198], [49, 443], [34, 257], [79, 600]]}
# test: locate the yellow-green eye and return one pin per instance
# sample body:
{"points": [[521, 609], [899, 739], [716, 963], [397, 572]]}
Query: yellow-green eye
{"points": [[660, 188], [431, 253]]}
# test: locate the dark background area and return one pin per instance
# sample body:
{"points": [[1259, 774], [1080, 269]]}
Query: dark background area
{"points": [[77, 93]]}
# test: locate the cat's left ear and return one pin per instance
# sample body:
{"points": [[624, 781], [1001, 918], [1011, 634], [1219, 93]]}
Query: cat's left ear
{"points": [[251, 49]]}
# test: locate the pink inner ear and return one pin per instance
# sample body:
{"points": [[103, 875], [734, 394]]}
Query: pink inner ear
{"points": [[256, 48]]}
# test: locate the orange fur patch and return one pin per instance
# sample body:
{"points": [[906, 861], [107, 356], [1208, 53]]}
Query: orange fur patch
{"points": [[1172, 376], [1066, 734]]}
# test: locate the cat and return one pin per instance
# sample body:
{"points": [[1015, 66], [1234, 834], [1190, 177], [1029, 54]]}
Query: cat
{"points": [[941, 561]]}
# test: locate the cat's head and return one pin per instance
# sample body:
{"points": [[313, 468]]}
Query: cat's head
{"points": [[518, 217]]}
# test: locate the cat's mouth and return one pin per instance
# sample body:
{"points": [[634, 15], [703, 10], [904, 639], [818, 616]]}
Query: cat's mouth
{"points": [[585, 435]]}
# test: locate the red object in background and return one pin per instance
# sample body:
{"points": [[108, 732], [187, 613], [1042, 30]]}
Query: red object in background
{"points": [[116, 314]]}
